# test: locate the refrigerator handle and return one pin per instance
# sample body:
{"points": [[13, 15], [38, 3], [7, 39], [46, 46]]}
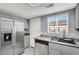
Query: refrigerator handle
{"points": [[13, 36]]}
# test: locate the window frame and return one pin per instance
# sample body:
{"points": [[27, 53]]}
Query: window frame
{"points": [[57, 22]]}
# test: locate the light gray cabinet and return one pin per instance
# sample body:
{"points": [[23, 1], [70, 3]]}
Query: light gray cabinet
{"points": [[77, 16], [26, 41], [58, 49]]}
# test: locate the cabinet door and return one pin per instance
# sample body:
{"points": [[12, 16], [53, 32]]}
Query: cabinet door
{"points": [[58, 49], [71, 50], [54, 49], [77, 16], [26, 41]]}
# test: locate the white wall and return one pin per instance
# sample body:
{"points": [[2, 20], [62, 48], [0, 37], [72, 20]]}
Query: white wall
{"points": [[10, 16], [34, 30]]}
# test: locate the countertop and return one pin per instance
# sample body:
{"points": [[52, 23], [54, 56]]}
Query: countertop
{"points": [[61, 36], [56, 42], [66, 44], [44, 38]]}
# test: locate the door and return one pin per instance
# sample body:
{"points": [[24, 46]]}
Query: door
{"points": [[6, 26], [19, 37]]}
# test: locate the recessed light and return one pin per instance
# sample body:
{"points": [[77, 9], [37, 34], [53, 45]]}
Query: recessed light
{"points": [[50, 5], [37, 5], [34, 5]]}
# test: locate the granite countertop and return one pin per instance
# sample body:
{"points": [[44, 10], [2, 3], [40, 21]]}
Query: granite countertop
{"points": [[44, 38], [66, 44], [56, 42], [61, 36]]}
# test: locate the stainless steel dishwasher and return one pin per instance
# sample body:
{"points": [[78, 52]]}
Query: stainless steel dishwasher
{"points": [[41, 47]]}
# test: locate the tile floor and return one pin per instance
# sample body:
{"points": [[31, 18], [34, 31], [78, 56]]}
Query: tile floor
{"points": [[40, 49], [28, 51]]}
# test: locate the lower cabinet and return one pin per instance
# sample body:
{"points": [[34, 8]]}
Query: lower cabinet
{"points": [[26, 41], [58, 49]]}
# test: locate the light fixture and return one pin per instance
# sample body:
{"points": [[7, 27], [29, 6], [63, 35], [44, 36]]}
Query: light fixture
{"points": [[34, 5], [37, 5]]}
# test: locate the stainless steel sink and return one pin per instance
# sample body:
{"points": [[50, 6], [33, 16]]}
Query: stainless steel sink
{"points": [[66, 40], [54, 38], [63, 39]]}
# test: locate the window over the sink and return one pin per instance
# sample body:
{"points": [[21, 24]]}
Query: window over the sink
{"points": [[58, 23]]}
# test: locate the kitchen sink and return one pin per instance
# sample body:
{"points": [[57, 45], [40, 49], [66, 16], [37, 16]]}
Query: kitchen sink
{"points": [[66, 40]]}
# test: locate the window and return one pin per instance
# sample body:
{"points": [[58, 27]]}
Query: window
{"points": [[58, 23]]}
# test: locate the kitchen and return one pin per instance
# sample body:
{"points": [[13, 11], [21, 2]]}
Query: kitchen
{"points": [[54, 30], [52, 41]]}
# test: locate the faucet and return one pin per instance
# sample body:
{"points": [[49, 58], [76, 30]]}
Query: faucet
{"points": [[63, 34]]}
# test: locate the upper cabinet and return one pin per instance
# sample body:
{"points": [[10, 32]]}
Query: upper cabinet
{"points": [[77, 16], [25, 24]]}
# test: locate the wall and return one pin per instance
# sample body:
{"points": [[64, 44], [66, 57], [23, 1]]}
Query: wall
{"points": [[44, 24], [2, 14], [34, 29], [72, 31]]}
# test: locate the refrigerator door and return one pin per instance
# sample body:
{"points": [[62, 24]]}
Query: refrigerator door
{"points": [[6, 26], [19, 37]]}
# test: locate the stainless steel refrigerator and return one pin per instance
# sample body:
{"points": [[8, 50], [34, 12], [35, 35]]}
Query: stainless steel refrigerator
{"points": [[11, 37]]}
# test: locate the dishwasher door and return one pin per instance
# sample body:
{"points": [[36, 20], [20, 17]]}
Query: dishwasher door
{"points": [[41, 47]]}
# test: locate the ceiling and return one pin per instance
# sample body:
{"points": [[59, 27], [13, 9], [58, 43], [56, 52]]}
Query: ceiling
{"points": [[30, 10]]}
